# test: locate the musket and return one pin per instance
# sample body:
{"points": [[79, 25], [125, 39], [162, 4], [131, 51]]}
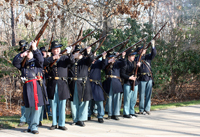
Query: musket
{"points": [[51, 65], [81, 52], [108, 66], [156, 35], [136, 70], [99, 46], [37, 38], [50, 42], [123, 46], [80, 33], [111, 49]]}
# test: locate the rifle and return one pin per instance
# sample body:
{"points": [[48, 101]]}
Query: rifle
{"points": [[123, 46], [37, 38], [156, 35], [108, 66], [51, 65], [111, 49], [81, 52], [99, 45], [80, 32], [50, 42]]}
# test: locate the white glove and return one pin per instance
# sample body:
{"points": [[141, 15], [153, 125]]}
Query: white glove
{"points": [[69, 49], [153, 43]]}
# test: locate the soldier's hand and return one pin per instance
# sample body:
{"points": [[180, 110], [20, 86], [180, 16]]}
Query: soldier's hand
{"points": [[112, 60], [24, 54], [88, 50], [33, 44], [123, 54], [104, 54], [69, 49], [117, 53], [56, 56], [139, 64], [132, 78], [48, 54]]}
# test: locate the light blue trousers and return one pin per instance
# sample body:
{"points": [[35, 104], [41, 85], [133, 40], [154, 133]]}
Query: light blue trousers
{"points": [[79, 109], [113, 103], [130, 99], [32, 117], [145, 90], [61, 104], [22, 118], [100, 108]]}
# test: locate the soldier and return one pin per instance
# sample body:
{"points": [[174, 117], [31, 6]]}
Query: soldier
{"points": [[145, 80], [57, 86], [97, 89], [80, 86], [33, 89], [130, 97], [113, 86]]}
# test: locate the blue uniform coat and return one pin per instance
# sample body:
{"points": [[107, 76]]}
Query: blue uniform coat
{"points": [[59, 69], [31, 68], [95, 74], [116, 84]]}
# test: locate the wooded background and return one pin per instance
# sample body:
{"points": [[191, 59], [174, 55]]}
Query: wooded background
{"points": [[176, 67]]}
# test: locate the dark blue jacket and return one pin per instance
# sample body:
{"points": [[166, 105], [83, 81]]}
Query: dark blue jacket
{"points": [[95, 74], [31, 68], [80, 69], [143, 68], [59, 69], [127, 71], [116, 84]]}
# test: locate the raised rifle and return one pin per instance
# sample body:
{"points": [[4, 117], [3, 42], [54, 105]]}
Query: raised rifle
{"points": [[51, 65], [111, 49], [80, 33], [37, 38], [50, 43], [81, 52], [99, 46], [108, 66]]}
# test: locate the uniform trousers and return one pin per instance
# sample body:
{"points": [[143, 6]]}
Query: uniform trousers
{"points": [[113, 103], [32, 117], [22, 118], [79, 109], [100, 108], [61, 104], [145, 90], [130, 98]]}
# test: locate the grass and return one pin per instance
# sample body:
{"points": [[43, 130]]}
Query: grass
{"points": [[8, 122]]}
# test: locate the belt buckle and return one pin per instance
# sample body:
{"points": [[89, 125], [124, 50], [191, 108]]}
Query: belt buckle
{"points": [[56, 78], [75, 78]]}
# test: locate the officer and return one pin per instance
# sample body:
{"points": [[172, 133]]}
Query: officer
{"points": [[33, 89], [97, 89], [127, 73], [145, 80], [80, 87], [112, 84], [57, 86]]}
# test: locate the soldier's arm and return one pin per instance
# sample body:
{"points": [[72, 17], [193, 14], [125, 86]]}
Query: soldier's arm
{"points": [[17, 61], [39, 59]]}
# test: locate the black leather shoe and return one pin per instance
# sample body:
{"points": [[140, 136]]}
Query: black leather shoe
{"points": [[126, 116], [89, 118], [35, 132], [80, 123], [62, 128], [53, 127], [100, 120], [40, 124], [21, 124], [133, 115], [115, 117], [25, 131], [148, 112]]}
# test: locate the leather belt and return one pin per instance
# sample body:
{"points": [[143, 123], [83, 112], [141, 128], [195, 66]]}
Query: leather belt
{"points": [[57, 78], [78, 78], [36, 78], [113, 76], [95, 81], [144, 74]]}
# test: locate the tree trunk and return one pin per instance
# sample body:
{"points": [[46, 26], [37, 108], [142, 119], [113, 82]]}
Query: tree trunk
{"points": [[13, 23]]}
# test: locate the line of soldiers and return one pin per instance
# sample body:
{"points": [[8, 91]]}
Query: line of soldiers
{"points": [[77, 77]]}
